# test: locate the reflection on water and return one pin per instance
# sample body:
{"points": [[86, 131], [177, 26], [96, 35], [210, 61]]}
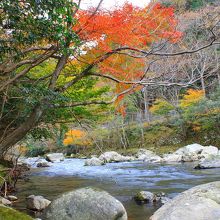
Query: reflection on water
{"points": [[122, 180]]}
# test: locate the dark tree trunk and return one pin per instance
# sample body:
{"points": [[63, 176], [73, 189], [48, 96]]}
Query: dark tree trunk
{"points": [[20, 132]]}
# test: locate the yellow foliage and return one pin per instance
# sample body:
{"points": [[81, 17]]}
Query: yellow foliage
{"points": [[191, 97], [161, 107], [76, 137]]}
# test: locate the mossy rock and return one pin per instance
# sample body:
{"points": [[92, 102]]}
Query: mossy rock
{"points": [[11, 214]]}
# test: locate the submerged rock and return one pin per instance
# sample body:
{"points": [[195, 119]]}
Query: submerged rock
{"points": [[85, 204], [43, 164], [211, 162], [197, 203], [149, 197], [94, 161], [145, 197], [55, 157], [37, 203]]}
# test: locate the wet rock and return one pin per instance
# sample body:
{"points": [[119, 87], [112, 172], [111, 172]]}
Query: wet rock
{"points": [[197, 203], [149, 197], [113, 156], [55, 157], [5, 201], [12, 198], [145, 197], [37, 203], [43, 164], [165, 199], [211, 162], [85, 204], [94, 161]]}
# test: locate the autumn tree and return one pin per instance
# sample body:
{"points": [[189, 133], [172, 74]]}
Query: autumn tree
{"points": [[53, 52]]}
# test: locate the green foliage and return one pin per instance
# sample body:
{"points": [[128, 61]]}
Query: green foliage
{"points": [[161, 107], [33, 21], [34, 151], [195, 4]]}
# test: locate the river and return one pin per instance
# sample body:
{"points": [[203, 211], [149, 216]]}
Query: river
{"points": [[122, 180]]}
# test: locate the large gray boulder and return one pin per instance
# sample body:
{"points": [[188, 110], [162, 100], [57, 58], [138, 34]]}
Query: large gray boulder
{"points": [[55, 157], [144, 154], [94, 161], [153, 159], [198, 203], [190, 153], [37, 203], [112, 156], [190, 149], [170, 158], [209, 151], [210, 162], [85, 204]]}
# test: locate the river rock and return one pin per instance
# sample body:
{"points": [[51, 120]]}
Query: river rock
{"points": [[94, 161], [149, 197], [198, 203], [145, 197], [210, 162], [190, 149], [43, 164], [113, 156], [5, 201], [37, 203], [85, 204], [170, 158], [153, 159], [144, 154], [55, 157], [12, 198], [209, 151]]}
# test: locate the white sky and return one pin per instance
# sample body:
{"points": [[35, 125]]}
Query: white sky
{"points": [[111, 3]]}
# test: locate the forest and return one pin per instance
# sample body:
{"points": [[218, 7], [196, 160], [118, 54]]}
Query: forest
{"points": [[115, 107]]}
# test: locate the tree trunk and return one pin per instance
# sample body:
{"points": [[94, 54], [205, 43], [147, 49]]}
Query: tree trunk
{"points": [[19, 133]]}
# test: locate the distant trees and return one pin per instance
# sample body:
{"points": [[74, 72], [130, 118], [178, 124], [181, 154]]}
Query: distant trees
{"points": [[52, 54]]}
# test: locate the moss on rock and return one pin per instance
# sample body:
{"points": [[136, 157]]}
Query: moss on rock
{"points": [[11, 214]]}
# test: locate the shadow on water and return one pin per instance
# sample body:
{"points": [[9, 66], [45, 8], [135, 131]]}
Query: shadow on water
{"points": [[122, 180]]}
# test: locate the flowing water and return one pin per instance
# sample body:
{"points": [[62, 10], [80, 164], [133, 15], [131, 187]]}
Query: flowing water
{"points": [[122, 180]]}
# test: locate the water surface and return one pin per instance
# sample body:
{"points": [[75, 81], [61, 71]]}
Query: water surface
{"points": [[122, 180]]}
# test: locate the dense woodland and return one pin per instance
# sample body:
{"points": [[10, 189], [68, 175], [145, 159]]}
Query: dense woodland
{"points": [[82, 88], [89, 80]]}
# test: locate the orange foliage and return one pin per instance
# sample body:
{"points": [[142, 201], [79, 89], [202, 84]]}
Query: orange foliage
{"points": [[128, 26], [76, 137]]}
